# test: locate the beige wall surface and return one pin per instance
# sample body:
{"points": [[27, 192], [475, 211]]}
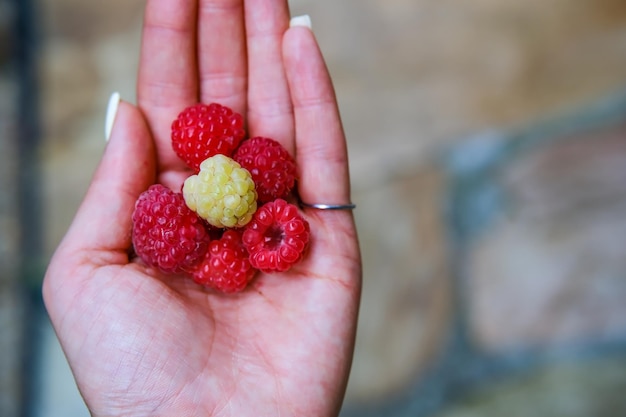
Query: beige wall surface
{"points": [[415, 78]]}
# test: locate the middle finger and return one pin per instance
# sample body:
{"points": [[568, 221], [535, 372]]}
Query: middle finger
{"points": [[270, 111], [222, 53]]}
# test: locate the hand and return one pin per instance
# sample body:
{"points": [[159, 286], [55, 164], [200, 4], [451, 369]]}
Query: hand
{"points": [[144, 344]]}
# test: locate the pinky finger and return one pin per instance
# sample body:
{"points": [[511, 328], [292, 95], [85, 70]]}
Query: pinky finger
{"points": [[321, 150]]}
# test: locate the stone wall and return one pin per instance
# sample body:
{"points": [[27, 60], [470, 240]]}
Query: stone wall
{"points": [[11, 305], [431, 94]]}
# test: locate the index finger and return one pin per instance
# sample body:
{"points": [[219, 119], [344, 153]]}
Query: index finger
{"points": [[321, 149], [168, 78]]}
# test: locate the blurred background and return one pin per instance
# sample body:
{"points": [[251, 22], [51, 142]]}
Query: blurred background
{"points": [[488, 159]]}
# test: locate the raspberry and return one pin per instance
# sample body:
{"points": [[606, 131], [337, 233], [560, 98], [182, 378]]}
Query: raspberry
{"points": [[226, 266], [202, 130], [276, 237], [222, 193], [272, 167], [166, 233]]}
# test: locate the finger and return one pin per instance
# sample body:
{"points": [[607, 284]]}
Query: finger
{"points": [[222, 53], [321, 150], [269, 105], [103, 221], [168, 79]]}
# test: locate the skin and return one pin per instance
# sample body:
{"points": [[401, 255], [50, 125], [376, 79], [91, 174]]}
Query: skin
{"points": [[141, 343]]}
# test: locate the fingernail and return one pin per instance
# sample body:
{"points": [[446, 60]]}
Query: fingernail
{"points": [[304, 21], [114, 103]]}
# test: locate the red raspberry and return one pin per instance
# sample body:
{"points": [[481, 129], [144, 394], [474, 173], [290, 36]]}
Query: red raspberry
{"points": [[272, 167], [226, 266], [276, 237], [202, 130], [166, 233]]}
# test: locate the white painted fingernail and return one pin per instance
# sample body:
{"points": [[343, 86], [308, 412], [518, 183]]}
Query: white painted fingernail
{"points": [[304, 21], [114, 103]]}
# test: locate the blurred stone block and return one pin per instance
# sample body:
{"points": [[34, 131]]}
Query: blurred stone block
{"points": [[551, 268], [572, 389], [11, 342], [11, 304], [8, 175], [410, 76], [59, 396], [405, 309], [414, 74], [6, 29]]}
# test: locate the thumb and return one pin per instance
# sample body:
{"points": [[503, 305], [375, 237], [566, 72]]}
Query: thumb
{"points": [[128, 167]]}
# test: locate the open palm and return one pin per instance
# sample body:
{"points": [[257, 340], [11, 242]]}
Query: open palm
{"points": [[145, 344]]}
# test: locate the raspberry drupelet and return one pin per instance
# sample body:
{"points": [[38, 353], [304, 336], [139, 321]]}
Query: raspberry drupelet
{"points": [[204, 130], [226, 266], [277, 236], [222, 193], [273, 169], [166, 234]]}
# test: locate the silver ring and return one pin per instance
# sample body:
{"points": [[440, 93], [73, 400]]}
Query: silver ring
{"points": [[329, 206]]}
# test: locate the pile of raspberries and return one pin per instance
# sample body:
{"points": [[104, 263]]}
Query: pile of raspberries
{"points": [[231, 219]]}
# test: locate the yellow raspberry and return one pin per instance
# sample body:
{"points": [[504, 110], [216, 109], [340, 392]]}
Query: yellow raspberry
{"points": [[222, 193]]}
